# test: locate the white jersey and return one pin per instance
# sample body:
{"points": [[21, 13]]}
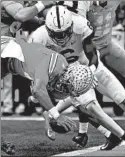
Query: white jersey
{"points": [[72, 50]]}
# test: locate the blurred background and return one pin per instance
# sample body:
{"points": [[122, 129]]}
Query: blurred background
{"points": [[20, 86]]}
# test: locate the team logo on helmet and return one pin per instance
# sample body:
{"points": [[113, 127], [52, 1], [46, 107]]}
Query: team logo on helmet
{"points": [[78, 79]]}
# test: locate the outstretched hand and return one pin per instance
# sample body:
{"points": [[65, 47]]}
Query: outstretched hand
{"points": [[62, 125]]}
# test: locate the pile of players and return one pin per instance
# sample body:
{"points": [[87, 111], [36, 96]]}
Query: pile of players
{"points": [[80, 31]]}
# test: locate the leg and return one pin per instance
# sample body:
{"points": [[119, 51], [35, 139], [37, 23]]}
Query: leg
{"points": [[110, 86], [4, 67], [106, 121], [81, 139], [7, 87], [87, 101], [116, 57]]}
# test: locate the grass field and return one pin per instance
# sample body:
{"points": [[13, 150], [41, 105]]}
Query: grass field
{"points": [[30, 140]]}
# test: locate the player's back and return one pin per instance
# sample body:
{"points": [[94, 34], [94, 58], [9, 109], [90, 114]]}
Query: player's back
{"points": [[34, 54], [38, 58]]}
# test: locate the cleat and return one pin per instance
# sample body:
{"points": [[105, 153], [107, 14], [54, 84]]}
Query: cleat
{"points": [[122, 143], [123, 137], [111, 142], [8, 148], [79, 146], [50, 134], [81, 139]]}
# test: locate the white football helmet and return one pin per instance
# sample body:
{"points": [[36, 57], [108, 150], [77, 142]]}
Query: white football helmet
{"points": [[59, 24], [77, 79]]}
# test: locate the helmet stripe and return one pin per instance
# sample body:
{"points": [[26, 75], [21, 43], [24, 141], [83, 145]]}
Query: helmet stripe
{"points": [[58, 19]]}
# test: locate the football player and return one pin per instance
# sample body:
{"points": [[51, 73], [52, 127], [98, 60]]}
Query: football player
{"points": [[46, 70], [64, 32], [52, 76], [101, 15]]}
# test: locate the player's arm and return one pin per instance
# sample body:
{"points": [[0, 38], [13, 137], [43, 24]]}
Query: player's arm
{"points": [[39, 89], [88, 46], [38, 36], [90, 50], [59, 123], [18, 12], [40, 85]]}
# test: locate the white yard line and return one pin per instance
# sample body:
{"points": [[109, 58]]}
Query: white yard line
{"points": [[84, 151], [42, 119], [22, 118], [80, 152]]}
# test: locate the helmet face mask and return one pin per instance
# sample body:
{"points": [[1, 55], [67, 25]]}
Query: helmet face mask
{"points": [[59, 24], [60, 37]]}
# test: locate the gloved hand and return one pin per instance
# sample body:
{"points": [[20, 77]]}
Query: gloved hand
{"points": [[62, 124]]}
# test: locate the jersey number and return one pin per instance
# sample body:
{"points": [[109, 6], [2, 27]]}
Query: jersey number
{"points": [[67, 54]]}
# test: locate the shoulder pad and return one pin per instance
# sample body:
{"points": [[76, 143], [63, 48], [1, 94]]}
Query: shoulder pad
{"points": [[80, 24]]}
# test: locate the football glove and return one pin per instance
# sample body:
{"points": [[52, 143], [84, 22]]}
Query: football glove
{"points": [[62, 124]]}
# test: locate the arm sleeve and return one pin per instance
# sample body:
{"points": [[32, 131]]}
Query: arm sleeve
{"points": [[11, 7]]}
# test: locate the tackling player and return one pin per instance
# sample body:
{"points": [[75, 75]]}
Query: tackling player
{"points": [[64, 33], [51, 76]]}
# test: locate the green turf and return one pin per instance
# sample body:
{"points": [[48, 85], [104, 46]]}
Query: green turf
{"points": [[30, 139]]}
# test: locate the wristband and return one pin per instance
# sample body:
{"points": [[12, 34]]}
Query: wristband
{"points": [[54, 113], [40, 6]]}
